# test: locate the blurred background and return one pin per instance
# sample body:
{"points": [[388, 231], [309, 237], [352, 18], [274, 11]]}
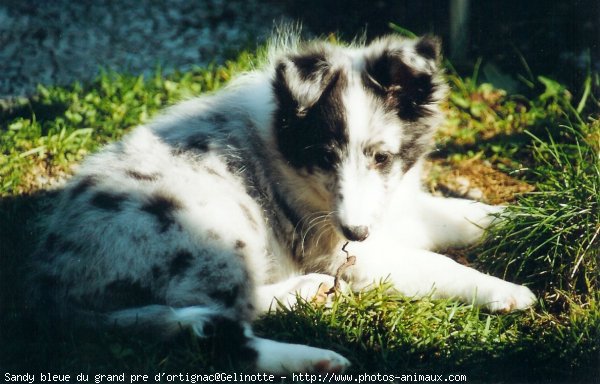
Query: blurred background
{"points": [[61, 41]]}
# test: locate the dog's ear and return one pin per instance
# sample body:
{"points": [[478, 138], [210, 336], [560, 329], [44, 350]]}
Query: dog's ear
{"points": [[395, 65], [430, 47], [300, 80], [406, 73]]}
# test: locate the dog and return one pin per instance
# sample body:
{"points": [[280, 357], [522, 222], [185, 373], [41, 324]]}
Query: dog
{"points": [[230, 202]]}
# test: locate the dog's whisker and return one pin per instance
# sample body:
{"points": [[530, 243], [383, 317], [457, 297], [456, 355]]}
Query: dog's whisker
{"points": [[306, 232], [315, 223], [327, 228], [303, 222]]}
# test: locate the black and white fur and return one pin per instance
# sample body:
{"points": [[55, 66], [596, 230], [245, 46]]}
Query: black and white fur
{"points": [[206, 215]]}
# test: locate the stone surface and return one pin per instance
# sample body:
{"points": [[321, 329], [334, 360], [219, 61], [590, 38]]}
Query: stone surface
{"points": [[57, 42]]}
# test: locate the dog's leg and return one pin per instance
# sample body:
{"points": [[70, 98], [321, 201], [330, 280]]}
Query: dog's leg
{"points": [[276, 357], [308, 287], [451, 222], [226, 318], [266, 355], [418, 273]]}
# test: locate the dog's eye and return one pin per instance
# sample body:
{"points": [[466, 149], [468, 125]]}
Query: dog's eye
{"points": [[382, 158]]}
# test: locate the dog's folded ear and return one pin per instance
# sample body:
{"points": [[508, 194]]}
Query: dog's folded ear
{"points": [[406, 73], [430, 47], [301, 80], [394, 64]]}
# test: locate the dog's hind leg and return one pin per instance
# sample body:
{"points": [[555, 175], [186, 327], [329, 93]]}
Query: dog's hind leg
{"points": [[236, 336], [212, 292], [276, 357]]}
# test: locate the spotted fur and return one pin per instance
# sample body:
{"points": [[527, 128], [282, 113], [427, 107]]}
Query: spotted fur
{"points": [[206, 215]]}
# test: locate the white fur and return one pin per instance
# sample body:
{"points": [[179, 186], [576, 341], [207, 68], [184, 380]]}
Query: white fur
{"points": [[281, 358]]}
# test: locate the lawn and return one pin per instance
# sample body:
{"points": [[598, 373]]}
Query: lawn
{"points": [[537, 151]]}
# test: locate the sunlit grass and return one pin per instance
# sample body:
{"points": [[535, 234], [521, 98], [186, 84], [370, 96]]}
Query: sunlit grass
{"points": [[43, 136]]}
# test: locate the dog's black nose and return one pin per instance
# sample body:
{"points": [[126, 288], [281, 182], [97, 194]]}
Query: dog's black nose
{"points": [[357, 233]]}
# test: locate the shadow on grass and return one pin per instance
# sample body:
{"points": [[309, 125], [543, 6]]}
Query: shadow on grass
{"points": [[34, 345], [31, 109], [17, 240], [529, 360]]}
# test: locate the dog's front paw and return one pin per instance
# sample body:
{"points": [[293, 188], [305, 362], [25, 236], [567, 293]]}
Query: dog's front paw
{"points": [[316, 287], [512, 298], [490, 215]]}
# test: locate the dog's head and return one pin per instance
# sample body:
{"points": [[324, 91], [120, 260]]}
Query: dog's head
{"points": [[351, 121]]}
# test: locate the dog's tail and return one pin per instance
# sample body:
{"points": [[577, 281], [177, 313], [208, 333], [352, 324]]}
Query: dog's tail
{"points": [[163, 318]]}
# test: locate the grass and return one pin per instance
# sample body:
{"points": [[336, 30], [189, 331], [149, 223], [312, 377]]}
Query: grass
{"points": [[43, 136], [540, 151]]}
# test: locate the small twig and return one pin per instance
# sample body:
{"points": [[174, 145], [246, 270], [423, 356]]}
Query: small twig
{"points": [[350, 261]]}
